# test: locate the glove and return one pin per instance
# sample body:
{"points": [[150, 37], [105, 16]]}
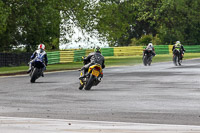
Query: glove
{"points": [[83, 58]]}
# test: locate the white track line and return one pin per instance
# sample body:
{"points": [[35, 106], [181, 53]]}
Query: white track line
{"points": [[40, 125]]}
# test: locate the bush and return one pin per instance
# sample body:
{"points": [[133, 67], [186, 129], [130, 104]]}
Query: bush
{"points": [[156, 40], [145, 39]]}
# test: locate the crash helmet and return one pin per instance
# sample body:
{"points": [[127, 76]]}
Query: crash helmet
{"points": [[97, 49], [150, 45], [178, 42], [41, 47]]}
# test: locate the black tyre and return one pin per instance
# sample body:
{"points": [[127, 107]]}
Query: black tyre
{"points": [[179, 61], [149, 61], [175, 60], [145, 60], [89, 83], [34, 75]]}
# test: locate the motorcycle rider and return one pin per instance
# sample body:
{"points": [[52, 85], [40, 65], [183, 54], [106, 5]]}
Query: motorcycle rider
{"points": [[179, 47], [91, 59], [39, 54], [150, 47]]}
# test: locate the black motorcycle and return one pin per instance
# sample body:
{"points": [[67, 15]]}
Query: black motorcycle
{"points": [[177, 57], [36, 70], [147, 57]]}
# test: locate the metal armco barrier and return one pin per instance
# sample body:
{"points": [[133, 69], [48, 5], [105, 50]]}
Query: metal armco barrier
{"points": [[161, 49], [78, 55], [192, 49], [107, 51], [74, 55], [53, 57], [128, 51], [66, 56]]}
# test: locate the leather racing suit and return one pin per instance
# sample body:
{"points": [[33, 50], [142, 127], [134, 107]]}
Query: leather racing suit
{"points": [[91, 59]]}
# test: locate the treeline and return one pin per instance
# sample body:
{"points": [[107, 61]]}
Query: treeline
{"points": [[126, 22], [120, 22]]}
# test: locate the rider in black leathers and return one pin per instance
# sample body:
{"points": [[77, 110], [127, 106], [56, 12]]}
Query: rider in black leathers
{"points": [[150, 48], [91, 59]]}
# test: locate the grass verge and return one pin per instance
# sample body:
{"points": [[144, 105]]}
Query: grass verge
{"points": [[109, 61]]}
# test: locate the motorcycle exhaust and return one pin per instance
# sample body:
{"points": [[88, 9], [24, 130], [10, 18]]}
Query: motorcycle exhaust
{"points": [[99, 79]]}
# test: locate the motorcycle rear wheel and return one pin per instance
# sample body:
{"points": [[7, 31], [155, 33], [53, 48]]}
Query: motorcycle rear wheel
{"points": [[89, 83], [175, 60], [179, 62]]}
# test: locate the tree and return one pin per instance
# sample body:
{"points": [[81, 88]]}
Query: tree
{"points": [[169, 20], [32, 22], [4, 13]]}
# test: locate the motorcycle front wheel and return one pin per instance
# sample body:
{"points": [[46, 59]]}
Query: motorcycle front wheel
{"points": [[145, 60], [149, 61], [34, 75]]}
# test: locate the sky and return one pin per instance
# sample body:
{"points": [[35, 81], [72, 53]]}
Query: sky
{"points": [[78, 40]]}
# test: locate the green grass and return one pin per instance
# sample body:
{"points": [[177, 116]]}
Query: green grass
{"points": [[109, 61]]}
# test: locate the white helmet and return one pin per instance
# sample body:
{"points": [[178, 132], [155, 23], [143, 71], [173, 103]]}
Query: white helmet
{"points": [[178, 42], [150, 45], [41, 46]]}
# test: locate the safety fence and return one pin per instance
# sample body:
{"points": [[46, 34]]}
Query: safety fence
{"points": [[74, 55], [14, 59]]}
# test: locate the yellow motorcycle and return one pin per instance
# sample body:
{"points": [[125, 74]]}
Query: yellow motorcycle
{"points": [[93, 77]]}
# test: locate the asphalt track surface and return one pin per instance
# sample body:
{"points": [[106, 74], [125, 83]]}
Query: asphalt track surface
{"points": [[157, 94]]}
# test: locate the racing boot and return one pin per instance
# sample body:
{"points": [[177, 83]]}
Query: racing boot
{"points": [[42, 74], [29, 70]]}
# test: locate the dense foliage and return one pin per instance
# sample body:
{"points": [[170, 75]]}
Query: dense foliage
{"points": [[121, 22], [167, 20]]}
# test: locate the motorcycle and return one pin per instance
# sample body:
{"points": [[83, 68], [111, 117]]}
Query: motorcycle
{"points": [[93, 77], [147, 57], [36, 70], [177, 57]]}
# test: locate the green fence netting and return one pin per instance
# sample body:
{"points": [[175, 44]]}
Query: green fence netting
{"points": [[78, 54], [53, 57]]}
